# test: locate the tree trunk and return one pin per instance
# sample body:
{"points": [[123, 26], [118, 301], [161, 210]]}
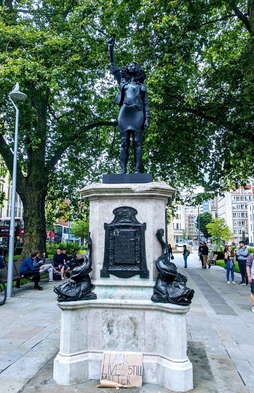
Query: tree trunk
{"points": [[32, 188], [34, 222]]}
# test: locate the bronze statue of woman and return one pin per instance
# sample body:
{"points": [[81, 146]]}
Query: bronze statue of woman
{"points": [[134, 114]]}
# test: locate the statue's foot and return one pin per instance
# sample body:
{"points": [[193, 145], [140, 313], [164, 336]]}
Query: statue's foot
{"points": [[123, 171], [137, 171]]}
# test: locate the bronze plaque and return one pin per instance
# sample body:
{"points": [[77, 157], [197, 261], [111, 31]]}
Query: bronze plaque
{"points": [[125, 245]]}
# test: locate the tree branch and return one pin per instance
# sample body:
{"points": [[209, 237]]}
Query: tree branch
{"points": [[242, 17], [53, 161], [217, 20], [222, 122], [8, 157], [23, 11]]}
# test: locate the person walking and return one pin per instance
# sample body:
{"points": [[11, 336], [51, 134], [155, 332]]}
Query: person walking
{"points": [[186, 253], [229, 258], [200, 249], [170, 252], [250, 277], [241, 255], [205, 252]]}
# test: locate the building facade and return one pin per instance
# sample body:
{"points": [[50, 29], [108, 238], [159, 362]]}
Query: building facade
{"points": [[5, 211], [251, 222], [233, 207]]}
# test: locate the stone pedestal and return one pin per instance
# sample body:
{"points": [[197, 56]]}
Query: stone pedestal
{"points": [[150, 201], [155, 329], [123, 318]]}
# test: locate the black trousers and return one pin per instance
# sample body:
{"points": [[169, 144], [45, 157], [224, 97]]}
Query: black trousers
{"points": [[35, 275]]}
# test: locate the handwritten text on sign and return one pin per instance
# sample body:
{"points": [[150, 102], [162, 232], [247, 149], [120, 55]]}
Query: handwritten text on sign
{"points": [[122, 367]]}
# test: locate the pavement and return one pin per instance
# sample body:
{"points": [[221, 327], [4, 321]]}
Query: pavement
{"points": [[220, 328]]}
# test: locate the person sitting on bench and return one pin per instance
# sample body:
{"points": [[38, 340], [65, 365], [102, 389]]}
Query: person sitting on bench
{"points": [[44, 267], [60, 264], [27, 270]]}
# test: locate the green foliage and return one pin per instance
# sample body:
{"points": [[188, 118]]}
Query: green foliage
{"points": [[3, 173], [71, 209], [52, 247], [221, 262], [220, 232], [202, 221], [59, 57], [184, 234], [199, 61], [15, 258], [80, 229]]}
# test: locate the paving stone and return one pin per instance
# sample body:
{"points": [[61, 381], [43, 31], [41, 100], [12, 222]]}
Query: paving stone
{"points": [[24, 367]]}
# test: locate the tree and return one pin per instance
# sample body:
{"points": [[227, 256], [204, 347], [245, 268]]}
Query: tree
{"points": [[184, 234], [58, 60], [80, 229], [3, 173], [219, 231], [201, 85], [199, 59], [202, 220]]}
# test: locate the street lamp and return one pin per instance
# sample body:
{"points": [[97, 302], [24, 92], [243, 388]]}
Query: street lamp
{"points": [[16, 95], [198, 227]]}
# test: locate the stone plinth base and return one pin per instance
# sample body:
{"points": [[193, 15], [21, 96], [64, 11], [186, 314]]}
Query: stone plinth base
{"points": [[150, 201], [130, 178], [157, 330]]}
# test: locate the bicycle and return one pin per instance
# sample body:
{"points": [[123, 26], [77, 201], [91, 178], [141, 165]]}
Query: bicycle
{"points": [[2, 293]]}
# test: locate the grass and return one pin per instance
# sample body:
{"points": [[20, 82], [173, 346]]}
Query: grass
{"points": [[220, 262]]}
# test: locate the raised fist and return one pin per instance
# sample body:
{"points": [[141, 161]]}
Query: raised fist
{"points": [[111, 42]]}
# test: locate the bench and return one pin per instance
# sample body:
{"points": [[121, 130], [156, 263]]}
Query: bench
{"points": [[212, 259], [16, 276]]}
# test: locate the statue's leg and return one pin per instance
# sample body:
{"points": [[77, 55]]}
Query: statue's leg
{"points": [[137, 144], [124, 150]]}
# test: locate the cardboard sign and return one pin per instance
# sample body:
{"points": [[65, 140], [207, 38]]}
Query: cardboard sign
{"points": [[123, 369]]}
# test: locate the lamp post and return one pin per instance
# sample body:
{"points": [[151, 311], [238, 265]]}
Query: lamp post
{"points": [[15, 95], [198, 228]]}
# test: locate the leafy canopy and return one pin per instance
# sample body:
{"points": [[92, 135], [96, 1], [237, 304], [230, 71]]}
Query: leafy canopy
{"points": [[202, 221], [199, 60], [219, 229], [80, 228]]}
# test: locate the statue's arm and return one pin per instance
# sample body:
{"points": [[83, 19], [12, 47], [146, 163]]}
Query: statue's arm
{"points": [[146, 108], [114, 68], [111, 43]]}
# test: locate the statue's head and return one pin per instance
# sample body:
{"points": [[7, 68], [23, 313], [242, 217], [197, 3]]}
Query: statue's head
{"points": [[134, 69]]}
